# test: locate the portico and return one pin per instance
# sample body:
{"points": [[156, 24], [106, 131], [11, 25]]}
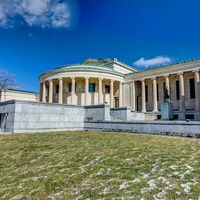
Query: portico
{"points": [[92, 82], [82, 91], [147, 88]]}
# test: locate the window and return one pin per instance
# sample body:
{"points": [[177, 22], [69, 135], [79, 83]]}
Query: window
{"points": [[91, 87], [177, 90], [70, 87], [157, 88], [192, 89], [107, 88], [146, 92], [57, 89]]}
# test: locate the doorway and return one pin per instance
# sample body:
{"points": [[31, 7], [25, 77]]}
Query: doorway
{"points": [[116, 102]]}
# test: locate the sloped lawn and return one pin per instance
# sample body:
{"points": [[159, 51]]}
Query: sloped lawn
{"points": [[94, 165]]}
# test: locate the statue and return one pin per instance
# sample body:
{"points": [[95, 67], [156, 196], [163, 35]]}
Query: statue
{"points": [[166, 95]]}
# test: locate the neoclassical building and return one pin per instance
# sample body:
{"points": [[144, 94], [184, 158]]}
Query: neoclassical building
{"points": [[94, 81], [109, 81]]}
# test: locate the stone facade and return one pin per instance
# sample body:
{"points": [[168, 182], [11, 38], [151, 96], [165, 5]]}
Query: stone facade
{"points": [[119, 85], [7, 95], [27, 117], [93, 82]]}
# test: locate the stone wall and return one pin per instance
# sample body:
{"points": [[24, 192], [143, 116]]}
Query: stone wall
{"points": [[125, 114], [41, 117], [7, 116], [189, 129], [97, 113], [25, 117]]}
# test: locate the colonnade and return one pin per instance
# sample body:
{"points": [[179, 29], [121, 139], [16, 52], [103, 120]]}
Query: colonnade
{"points": [[167, 85], [73, 91]]}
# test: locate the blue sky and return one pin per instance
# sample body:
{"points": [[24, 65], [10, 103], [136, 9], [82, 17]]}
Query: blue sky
{"points": [[39, 35]]}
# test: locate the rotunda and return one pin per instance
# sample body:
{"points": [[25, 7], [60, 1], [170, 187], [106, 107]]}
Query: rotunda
{"points": [[92, 82]]}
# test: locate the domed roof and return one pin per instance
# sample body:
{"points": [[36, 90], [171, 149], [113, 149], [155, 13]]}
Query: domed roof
{"points": [[104, 65]]}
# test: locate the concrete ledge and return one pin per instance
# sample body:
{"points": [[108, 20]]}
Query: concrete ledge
{"points": [[96, 106], [176, 128]]}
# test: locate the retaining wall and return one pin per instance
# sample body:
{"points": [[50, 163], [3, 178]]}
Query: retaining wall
{"points": [[180, 128], [42, 117]]}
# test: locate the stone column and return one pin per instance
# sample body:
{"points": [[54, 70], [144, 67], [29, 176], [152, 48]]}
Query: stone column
{"points": [[43, 92], [86, 90], [167, 83], [100, 95], [111, 93], [181, 92], [120, 94], [197, 95], [60, 92], [155, 101], [40, 97], [143, 98], [50, 91], [133, 96], [73, 91]]}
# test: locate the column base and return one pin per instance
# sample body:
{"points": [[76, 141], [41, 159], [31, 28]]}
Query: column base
{"points": [[167, 111]]}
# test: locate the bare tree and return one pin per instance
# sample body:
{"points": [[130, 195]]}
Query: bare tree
{"points": [[7, 80]]}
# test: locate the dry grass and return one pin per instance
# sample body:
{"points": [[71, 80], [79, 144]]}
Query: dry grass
{"points": [[89, 165]]}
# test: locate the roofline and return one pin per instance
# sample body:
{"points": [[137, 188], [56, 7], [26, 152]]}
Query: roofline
{"points": [[20, 91]]}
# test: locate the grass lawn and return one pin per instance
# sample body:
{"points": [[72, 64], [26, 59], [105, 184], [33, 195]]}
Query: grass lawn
{"points": [[99, 165]]}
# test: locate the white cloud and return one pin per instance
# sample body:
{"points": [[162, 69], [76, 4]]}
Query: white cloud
{"points": [[159, 60], [44, 13]]}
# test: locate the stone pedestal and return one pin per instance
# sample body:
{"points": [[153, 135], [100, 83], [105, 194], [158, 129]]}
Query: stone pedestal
{"points": [[167, 111]]}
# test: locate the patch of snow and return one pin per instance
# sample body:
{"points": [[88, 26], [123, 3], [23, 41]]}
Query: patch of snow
{"points": [[135, 181], [164, 180], [124, 185], [186, 187], [106, 190], [160, 195], [152, 184], [128, 159], [17, 197], [108, 171], [189, 167], [55, 196], [63, 170], [173, 167], [145, 175], [178, 193], [3, 197], [82, 170], [151, 187], [175, 173], [100, 172]]}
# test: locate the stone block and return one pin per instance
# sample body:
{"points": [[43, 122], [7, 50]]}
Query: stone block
{"points": [[167, 111]]}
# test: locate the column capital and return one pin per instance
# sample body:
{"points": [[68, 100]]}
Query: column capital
{"points": [[153, 78], [196, 70], [180, 73], [72, 77], [111, 80], [166, 75], [43, 82], [142, 79], [60, 78], [50, 80], [86, 77], [100, 78]]}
